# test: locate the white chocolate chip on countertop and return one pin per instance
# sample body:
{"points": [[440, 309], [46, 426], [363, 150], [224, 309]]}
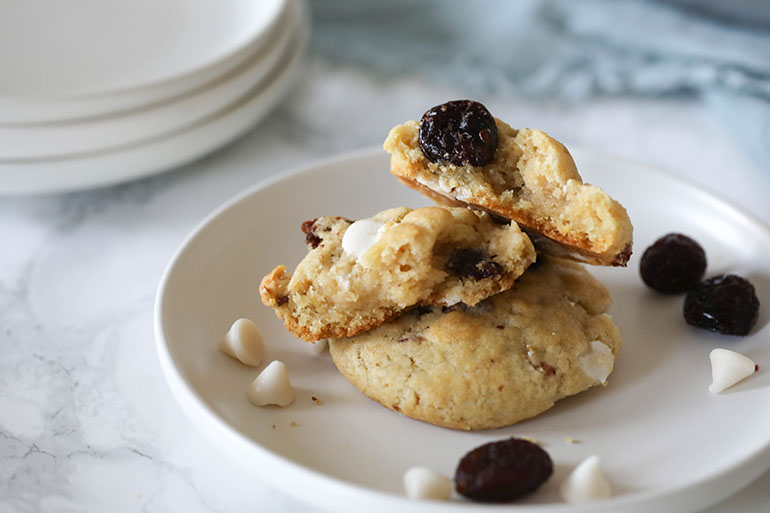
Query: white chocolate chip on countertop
{"points": [[424, 483], [585, 483], [728, 368], [243, 341], [272, 386]]}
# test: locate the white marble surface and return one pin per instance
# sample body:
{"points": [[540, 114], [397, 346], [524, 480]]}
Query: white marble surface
{"points": [[87, 422]]}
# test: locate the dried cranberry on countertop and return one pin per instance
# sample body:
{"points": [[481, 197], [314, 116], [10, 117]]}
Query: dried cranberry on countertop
{"points": [[673, 264], [502, 471], [458, 132], [725, 304]]}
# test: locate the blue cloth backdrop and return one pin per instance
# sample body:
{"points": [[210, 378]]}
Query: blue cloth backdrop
{"points": [[565, 49]]}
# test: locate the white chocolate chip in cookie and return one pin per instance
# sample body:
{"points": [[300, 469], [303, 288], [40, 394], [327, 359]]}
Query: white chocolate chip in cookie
{"points": [[243, 341], [598, 363], [360, 236], [728, 368], [586, 483], [424, 483], [272, 386]]}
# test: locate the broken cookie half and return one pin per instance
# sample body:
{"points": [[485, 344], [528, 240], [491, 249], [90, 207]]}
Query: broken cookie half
{"points": [[359, 274], [458, 154]]}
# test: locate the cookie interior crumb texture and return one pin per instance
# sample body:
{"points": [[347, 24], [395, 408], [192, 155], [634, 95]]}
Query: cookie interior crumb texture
{"points": [[532, 180], [426, 256], [504, 360]]}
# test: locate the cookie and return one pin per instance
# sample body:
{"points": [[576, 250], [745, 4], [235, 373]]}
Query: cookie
{"points": [[358, 275], [504, 360], [530, 179]]}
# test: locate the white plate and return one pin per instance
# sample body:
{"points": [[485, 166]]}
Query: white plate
{"points": [[91, 57], [666, 443], [164, 153], [104, 134]]}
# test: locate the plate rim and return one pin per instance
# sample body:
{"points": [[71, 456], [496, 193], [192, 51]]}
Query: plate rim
{"points": [[253, 39], [165, 117], [261, 98], [692, 495]]}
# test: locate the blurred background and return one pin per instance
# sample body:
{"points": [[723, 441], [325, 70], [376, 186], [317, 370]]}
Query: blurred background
{"points": [[89, 222], [715, 55]]}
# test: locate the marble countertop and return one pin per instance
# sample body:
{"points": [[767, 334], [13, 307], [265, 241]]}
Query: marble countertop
{"points": [[87, 422]]}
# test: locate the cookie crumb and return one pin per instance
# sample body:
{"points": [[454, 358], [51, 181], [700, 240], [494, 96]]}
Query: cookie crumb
{"points": [[569, 440], [293, 423], [532, 440], [273, 426], [316, 400]]}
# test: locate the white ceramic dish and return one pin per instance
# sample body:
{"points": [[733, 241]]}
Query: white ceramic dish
{"points": [[63, 175], [83, 57], [104, 134], [666, 443]]}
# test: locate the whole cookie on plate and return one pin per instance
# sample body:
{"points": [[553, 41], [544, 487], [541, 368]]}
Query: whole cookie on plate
{"points": [[504, 360], [458, 154], [359, 274]]}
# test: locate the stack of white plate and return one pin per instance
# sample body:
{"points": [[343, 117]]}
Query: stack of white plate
{"points": [[94, 92]]}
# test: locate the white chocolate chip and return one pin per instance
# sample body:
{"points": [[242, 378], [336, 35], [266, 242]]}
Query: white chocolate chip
{"points": [[243, 341], [360, 236], [272, 386], [728, 368], [452, 300], [597, 364], [424, 483], [586, 483], [320, 346]]}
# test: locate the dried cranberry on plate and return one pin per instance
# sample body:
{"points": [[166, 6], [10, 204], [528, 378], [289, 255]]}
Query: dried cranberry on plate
{"points": [[725, 304], [673, 264], [502, 471]]}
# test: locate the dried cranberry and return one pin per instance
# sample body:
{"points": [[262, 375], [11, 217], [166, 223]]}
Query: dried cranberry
{"points": [[502, 471], [673, 264], [459, 132], [472, 263], [725, 304], [311, 239]]}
